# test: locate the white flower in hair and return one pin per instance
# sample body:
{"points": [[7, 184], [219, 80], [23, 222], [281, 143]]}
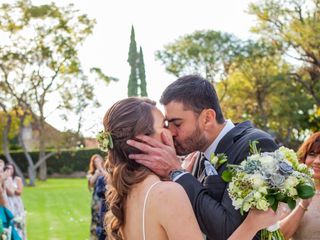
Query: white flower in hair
{"points": [[105, 140]]}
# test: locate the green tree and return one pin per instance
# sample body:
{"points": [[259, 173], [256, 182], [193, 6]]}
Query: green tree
{"points": [[142, 74], [209, 53], [294, 25], [75, 98], [132, 60], [44, 61], [314, 119], [258, 90], [8, 129], [137, 85], [13, 129]]}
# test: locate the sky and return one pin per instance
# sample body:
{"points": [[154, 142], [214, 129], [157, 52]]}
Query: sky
{"points": [[156, 23]]}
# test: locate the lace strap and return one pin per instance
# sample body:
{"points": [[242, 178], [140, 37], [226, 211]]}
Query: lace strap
{"points": [[144, 209]]}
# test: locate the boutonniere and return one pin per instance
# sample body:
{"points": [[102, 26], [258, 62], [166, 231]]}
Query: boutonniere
{"points": [[218, 160]]}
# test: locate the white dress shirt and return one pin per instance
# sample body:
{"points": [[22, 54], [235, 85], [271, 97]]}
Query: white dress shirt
{"points": [[212, 148]]}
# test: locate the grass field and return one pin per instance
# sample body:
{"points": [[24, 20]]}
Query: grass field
{"points": [[58, 209]]}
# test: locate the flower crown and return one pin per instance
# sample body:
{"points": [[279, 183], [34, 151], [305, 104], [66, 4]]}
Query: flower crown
{"points": [[105, 140]]}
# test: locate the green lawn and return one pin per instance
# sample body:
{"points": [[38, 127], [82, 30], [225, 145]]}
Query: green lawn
{"points": [[58, 209]]}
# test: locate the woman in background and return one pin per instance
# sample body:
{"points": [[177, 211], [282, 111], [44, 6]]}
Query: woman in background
{"points": [[14, 188], [100, 189], [303, 221], [7, 222], [95, 170], [3, 192]]}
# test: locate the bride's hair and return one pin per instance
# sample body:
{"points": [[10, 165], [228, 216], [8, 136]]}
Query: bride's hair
{"points": [[126, 119]]}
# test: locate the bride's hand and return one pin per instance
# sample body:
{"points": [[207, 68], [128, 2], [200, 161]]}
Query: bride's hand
{"points": [[262, 219]]}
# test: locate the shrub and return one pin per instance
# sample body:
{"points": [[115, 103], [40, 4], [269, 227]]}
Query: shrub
{"points": [[65, 161], [65, 170]]}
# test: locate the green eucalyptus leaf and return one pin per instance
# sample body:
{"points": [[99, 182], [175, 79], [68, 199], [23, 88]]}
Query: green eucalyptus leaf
{"points": [[110, 141], [291, 203], [305, 191], [271, 199], [226, 175], [280, 196], [274, 206]]}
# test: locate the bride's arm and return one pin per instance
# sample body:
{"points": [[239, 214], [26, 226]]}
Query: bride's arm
{"points": [[255, 221]]}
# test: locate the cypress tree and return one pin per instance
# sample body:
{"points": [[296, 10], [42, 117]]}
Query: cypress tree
{"points": [[142, 75], [132, 60]]}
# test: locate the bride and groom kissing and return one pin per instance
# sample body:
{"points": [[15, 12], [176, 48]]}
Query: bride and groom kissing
{"points": [[152, 193]]}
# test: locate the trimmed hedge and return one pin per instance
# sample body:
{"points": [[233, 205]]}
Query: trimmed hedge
{"points": [[65, 161]]}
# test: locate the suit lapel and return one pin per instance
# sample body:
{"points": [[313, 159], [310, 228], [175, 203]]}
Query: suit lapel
{"points": [[232, 136], [226, 143]]}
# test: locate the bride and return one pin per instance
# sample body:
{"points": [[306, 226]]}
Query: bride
{"points": [[143, 206]]}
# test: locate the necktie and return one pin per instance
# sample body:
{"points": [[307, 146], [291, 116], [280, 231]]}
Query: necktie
{"points": [[201, 165], [210, 170], [206, 167]]}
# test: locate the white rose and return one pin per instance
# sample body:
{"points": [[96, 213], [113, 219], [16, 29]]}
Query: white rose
{"points": [[237, 203], [258, 181], [291, 182], [263, 190], [292, 192], [268, 162], [243, 163], [246, 206], [262, 205], [254, 157], [302, 167], [257, 195]]}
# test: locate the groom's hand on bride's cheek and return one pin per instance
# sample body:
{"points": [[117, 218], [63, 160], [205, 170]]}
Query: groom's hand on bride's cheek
{"points": [[157, 156]]}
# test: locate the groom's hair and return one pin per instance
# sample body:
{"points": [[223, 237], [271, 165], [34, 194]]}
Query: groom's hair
{"points": [[196, 94]]}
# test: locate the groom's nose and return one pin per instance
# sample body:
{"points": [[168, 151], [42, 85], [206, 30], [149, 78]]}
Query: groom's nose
{"points": [[173, 130]]}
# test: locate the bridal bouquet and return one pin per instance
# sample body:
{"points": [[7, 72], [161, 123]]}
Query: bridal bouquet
{"points": [[264, 179]]}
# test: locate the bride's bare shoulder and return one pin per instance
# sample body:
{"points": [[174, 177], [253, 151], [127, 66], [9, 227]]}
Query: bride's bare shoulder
{"points": [[169, 191]]}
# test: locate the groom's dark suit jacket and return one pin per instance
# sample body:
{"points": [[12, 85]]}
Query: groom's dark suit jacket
{"points": [[209, 196]]}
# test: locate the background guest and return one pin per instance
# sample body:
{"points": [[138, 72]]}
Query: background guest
{"points": [[7, 221], [95, 170], [303, 221], [100, 189], [14, 188], [3, 193]]}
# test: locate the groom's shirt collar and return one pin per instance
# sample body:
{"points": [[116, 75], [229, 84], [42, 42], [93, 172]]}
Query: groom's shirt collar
{"points": [[212, 148]]}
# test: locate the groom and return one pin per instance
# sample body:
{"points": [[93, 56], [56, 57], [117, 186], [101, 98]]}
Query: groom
{"points": [[197, 123]]}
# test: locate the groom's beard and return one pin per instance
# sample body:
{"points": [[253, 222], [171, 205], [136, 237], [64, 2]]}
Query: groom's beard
{"points": [[195, 142]]}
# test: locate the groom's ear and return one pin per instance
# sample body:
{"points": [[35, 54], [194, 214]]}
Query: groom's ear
{"points": [[208, 118]]}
